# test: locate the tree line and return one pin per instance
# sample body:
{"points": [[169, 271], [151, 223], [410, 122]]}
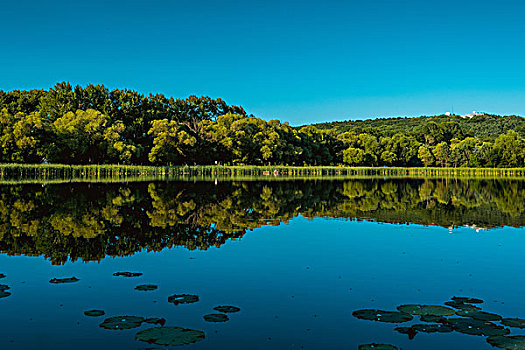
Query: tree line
{"points": [[95, 125]]}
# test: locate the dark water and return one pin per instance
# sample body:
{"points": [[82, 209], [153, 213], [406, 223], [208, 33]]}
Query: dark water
{"points": [[297, 257]]}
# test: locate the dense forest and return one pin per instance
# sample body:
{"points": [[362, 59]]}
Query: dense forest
{"points": [[91, 221], [95, 125]]}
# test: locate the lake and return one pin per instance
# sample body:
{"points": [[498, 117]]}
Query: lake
{"points": [[299, 258]]}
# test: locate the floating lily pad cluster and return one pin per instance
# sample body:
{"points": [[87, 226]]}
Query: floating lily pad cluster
{"points": [[146, 287], [471, 320], [94, 313], [177, 299], [3, 289], [64, 280], [127, 274], [221, 317]]}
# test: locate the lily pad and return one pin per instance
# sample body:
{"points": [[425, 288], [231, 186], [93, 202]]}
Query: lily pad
{"points": [[479, 315], [512, 343], [156, 320], [411, 332], [374, 346], [128, 274], [467, 300], [382, 316], [146, 287], [462, 306], [216, 318], [94, 313], [64, 280], [4, 294], [170, 336], [432, 319], [426, 310], [514, 322], [432, 328], [122, 322], [183, 299], [4, 287], [226, 309], [476, 327]]}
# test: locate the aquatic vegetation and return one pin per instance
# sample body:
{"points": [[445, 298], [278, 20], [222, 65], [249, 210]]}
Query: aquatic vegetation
{"points": [[170, 336], [514, 322], [382, 316], [426, 310], [476, 327], [467, 300], [94, 313], [177, 299], [122, 322], [508, 342], [146, 287], [128, 274], [374, 346], [216, 318], [462, 306], [432, 328], [432, 319], [479, 315], [64, 280], [226, 309], [156, 320]]}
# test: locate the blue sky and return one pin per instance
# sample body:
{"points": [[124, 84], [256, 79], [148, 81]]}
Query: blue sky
{"points": [[297, 61]]}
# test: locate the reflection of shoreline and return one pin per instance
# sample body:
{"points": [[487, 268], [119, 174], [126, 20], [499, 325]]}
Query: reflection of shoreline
{"points": [[91, 221]]}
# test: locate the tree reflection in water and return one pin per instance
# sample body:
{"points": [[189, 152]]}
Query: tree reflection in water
{"points": [[91, 221]]}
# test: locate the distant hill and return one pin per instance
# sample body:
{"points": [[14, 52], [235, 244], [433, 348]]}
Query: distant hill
{"points": [[484, 126]]}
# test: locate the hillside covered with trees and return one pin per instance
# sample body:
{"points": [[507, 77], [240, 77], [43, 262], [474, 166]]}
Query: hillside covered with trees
{"points": [[95, 125]]}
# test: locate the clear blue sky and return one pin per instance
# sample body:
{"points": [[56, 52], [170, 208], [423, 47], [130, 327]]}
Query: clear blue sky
{"points": [[297, 61]]}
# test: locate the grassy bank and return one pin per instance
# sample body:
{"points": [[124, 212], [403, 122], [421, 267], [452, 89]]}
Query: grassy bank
{"points": [[14, 172]]}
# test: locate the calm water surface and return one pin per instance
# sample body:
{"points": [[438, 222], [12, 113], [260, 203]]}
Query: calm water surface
{"points": [[297, 257]]}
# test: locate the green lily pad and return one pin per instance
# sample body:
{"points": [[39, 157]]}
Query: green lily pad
{"points": [[4, 294], [426, 310], [467, 300], [156, 320], [122, 322], [432, 319], [4, 287], [476, 327], [216, 318], [511, 343], [64, 280], [514, 322], [462, 306], [411, 332], [94, 313], [374, 346], [226, 309], [146, 287], [127, 274], [382, 316], [183, 299], [170, 336], [432, 328], [2, 275], [479, 315]]}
